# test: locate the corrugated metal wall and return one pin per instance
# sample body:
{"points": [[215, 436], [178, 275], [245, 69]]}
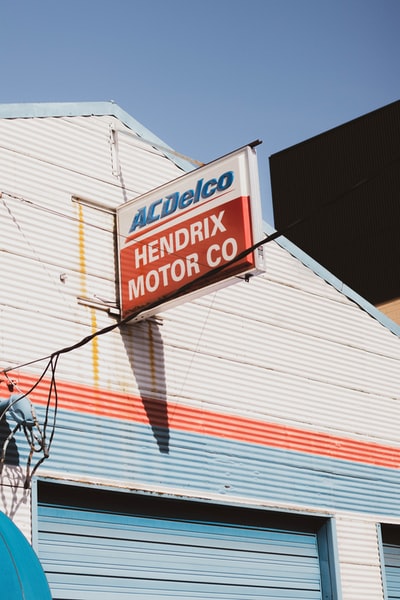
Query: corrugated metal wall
{"points": [[46, 234], [277, 392], [15, 501], [359, 558], [55, 247]]}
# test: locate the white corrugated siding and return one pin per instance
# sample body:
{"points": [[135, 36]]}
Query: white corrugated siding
{"points": [[359, 559], [79, 150], [286, 348], [52, 250], [329, 382], [46, 235], [287, 334], [15, 501]]}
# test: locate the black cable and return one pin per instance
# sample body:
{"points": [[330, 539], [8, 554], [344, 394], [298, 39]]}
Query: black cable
{"points": [[192, 285], [30, 436], [43, 445], [187, 288]]}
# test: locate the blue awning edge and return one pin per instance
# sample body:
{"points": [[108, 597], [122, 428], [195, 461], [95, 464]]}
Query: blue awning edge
{"points": [[22, 575]]}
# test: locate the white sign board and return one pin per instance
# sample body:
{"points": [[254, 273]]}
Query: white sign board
{"points": [[176, 239]]}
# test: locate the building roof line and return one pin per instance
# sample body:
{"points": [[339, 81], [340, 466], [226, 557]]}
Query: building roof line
{"points": [[88, 109], [322, 272]]}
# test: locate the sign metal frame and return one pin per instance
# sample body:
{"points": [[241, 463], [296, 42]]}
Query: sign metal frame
{"points": [[181, 240]]}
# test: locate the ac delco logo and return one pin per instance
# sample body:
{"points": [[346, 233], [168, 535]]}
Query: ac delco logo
{"points": [[164, 207]]}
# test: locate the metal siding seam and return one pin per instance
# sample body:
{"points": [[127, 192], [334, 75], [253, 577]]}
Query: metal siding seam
{"points": [[359, 554], [382, 561]]}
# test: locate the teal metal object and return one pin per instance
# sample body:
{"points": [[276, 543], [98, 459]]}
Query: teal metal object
{"points": [[19, 408], [22, 575]]}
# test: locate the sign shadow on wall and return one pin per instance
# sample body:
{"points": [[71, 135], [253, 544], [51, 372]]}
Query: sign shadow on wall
{"points": [[144, 347]]}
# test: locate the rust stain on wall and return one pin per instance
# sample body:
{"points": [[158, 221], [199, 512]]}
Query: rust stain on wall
{"points": [[95, 349], [81, 251], [83, 292]]}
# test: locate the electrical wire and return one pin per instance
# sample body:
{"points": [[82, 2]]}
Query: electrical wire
{"points": [[44, 446], [192, 285], [35, 436], [52, 359], [51, 211]]}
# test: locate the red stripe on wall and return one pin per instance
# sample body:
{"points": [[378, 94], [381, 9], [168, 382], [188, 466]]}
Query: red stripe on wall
{"points": [[112, 404]]}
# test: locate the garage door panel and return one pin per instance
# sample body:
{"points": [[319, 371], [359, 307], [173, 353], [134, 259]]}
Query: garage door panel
{"points": [[91, 553], [92, 588], [391, 555], [140, 528], [239, 570]]}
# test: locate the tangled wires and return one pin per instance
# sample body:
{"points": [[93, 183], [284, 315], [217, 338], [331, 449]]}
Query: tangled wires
{"points": [[40, 436], [21, 410]]}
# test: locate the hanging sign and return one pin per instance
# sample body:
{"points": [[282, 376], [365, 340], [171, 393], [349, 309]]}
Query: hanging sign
{"points": [[177, 239]]}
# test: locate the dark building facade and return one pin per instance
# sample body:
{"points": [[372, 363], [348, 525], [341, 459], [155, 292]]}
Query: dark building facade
{"points": [[338, 195]]}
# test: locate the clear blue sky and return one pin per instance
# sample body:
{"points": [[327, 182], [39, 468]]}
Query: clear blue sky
{"points": [[208, 76]]}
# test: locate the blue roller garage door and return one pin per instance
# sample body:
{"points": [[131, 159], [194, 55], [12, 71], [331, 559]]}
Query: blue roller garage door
{"points": [[106, 545], [391, 554]]}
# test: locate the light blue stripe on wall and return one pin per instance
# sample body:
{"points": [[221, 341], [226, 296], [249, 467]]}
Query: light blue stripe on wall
{"points": [[97, 448]]}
